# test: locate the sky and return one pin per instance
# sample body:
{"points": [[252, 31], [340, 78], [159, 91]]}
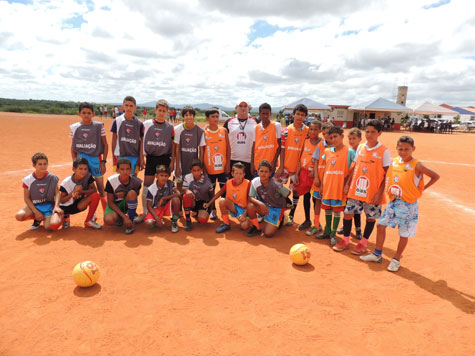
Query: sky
{"points": [[341, 52]]}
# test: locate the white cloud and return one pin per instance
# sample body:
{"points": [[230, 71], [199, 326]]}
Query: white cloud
{"points": [[337, 52]]}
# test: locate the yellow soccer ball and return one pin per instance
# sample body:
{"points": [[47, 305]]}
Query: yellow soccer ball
{"points": [[300, 254], [86, 274]]}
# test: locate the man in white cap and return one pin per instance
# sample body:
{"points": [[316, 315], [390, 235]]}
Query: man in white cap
{"points": [[241, 129]]}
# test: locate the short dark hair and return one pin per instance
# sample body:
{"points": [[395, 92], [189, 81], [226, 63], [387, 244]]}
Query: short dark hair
{"points": [[161, 168], [406, 139], [327, 126], [238, 165], [86, 105], [186, 109], [317, 123], [301, 108], [130, 98], [123, 161], [37, 156], [162, 102], [80, 160], [376, 123], [265, 106], [211, 111], [265, 163], [355, 131], [196, 163], [335, 129]]}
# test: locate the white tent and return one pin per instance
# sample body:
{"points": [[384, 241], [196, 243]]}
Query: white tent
{"points": [[432, 109]]}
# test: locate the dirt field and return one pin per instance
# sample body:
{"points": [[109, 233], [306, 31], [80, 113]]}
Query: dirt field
{"points": [[203, 293]]}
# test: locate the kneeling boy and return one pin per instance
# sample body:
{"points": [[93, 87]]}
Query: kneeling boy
{"points": [[41, 194], [163, 198], [78, 192]]}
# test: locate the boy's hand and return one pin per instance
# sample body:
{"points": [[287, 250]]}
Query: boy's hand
{"points": [[103, 168], [205, 205], [120, 195], [378, 197], [227, 169], [346, 188], [316, 181], [38, 215], [310, 175], [177, 171], [58, 210], [159, 221], [171, 167], [278, 173], [265, 209], [141, 164], [190, 194], [160, 202], [253, 171], [242, 218], [128, 222]]}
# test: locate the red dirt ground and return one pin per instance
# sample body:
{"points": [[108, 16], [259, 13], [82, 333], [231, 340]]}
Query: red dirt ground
{"points": [[201, 293]]}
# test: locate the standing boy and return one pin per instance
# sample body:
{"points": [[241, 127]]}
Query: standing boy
{"points": [[78, 192], [41, 195], [217, 153], [89, 141], [366, 185], [163, 199], [404, 185], [158, 148], [127, 134], [266, 145], [268, 199], [337, 161], [292, 146], [122, 190]]}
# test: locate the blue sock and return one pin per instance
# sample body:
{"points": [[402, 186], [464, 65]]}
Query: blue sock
{"points": [[132, 208], [378, 252]]}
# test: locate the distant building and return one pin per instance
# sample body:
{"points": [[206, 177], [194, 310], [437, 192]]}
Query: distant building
{"points": [[402, 95]]}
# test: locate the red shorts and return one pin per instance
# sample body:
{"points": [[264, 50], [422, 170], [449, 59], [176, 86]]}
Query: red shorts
{"points": [[305, 182], [161, 212]]}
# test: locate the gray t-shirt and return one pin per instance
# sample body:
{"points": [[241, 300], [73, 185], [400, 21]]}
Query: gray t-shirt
{"points": [[68, 185], [158, 138], [41, 190], [155, 193], [114, 186], [87, 138], [189, 141], [128, 133], [272, 194], [201, 188]]}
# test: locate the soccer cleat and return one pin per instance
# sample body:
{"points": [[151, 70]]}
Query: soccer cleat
{"points": [[372, 258], [323, 236], [174, 226], [223, 228], [213, 215], [66, 224], [340, 246], [139, 219], [340, 231], [129, 230], [188, 225], [394, 265], [119, 221], [36, 224], [260, 218], [92, 224], [359, 249], [254, 232], [305, 225], [290, 221], [313, 230], [333, 241]]}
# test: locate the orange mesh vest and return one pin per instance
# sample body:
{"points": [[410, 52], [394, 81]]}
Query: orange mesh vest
{"points": [[215, 151], [265, 145], [238, 194], [336, 170], [321, 165], [368, 174], [307, 152], [400, 181], [293, 147]]}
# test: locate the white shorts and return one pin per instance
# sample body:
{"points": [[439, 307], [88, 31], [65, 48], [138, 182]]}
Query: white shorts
{"points": [[402, 214]]}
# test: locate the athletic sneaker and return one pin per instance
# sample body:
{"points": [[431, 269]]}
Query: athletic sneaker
{"points": [[305, 225], [340, 231], [188, 225], [372, 258], [254, 231], [359, 249], [92, 224], [290, 221], [174, 226], [359, 235], [394, 265], [313, 230], [119, 221], [213, 215], [223, 228], [333, 241], [139, 219], [340, 246], [36, 224], [260, 218], [323, 236], [129, 230], [66, 224]]}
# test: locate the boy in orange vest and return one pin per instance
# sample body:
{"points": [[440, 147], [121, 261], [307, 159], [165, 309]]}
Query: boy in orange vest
{"points": [[293, 138], [267, 140], [366, 186], [217, 153], [404, 185], [337, 161]]}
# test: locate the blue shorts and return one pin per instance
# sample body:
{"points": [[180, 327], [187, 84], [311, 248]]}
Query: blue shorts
{"points": [[336, 205], [274, 216], [94, 164], [133, 160], [316, 194], [239, 211], [402, 214], [45, 208]]}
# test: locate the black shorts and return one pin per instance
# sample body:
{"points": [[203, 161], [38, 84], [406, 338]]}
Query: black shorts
{"points": [[221, 178], [153, 161], [247, 169], [71, 209], [199, 206]]}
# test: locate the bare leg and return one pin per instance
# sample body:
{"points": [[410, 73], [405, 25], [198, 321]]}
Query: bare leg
{"points": [[400, 247]]}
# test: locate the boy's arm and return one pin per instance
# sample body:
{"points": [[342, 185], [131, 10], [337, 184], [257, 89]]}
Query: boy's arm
{"points": [[29, 204], [297, 173], [433, 175], [281, 165], [227, 169], [277, 154], [253, 169], [114, 142], [65, 197], [57, 199], [151, 210], [113, 206], [141, 159], [177, 160], [105, 145], [74, 154], [216, 196], [379, 195], [90, 190], [201, 152], [172, 163]]}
